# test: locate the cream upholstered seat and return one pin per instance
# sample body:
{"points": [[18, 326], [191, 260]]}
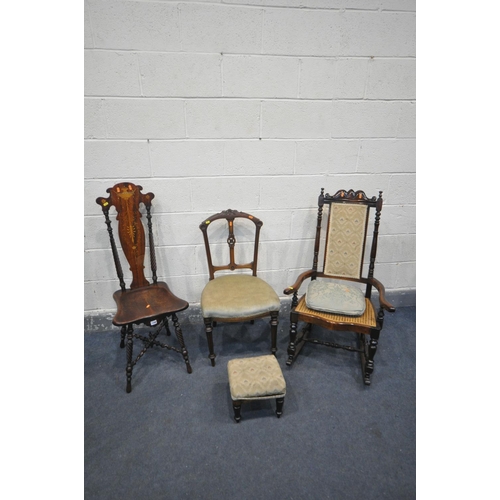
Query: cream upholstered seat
{"points": [[236, 297], [259, 377]]}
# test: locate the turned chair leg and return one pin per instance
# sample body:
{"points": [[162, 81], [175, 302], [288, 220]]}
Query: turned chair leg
{"points": [[210, 340], [130, 348], [372, 350], [123, 333], [279, 406], [291, 345], [274, 332], [180, 338], [237, 411]]}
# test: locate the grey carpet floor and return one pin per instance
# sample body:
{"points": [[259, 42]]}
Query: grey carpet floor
{"points": [[174, 437]]}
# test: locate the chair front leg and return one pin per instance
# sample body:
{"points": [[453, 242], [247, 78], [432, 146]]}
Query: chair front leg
{"points": [[210, 340], [293, 337], [279, 406], [237, 411], [180, 338], [274, 332], [372, 350]]}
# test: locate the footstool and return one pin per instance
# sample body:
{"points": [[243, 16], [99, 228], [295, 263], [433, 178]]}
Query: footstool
{"points": [[254, 378]]}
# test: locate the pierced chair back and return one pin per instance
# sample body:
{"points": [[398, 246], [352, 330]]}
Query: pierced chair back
{"points": [[143, 302], [230, 216], [235, 297]]}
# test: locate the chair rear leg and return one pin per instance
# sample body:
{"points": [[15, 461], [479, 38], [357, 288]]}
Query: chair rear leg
{"points": [[130, 348], [210, 340], [180, 338], [274, 332], [167, 327], [123, 333]]}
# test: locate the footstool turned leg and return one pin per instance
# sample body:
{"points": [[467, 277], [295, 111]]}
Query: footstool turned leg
{"points": [[237, 411], [279, 406]]}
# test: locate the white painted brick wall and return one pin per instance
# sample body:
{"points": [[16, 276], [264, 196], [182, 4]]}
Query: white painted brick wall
{"points": [[256, 157], [253, 105], [172, 75], [297, 119], [144, 118], [301, 32], [260, 76], [220, 28], [186, 158], [222, 118], [326, 78]]}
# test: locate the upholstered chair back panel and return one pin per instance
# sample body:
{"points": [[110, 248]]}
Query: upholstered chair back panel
{"points": [[345, 240]]}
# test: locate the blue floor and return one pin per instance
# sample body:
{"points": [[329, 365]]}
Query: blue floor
{"points": [[174, 437]]}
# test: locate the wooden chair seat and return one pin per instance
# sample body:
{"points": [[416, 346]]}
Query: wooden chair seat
{"points": [[341, 322], [141, 305]]}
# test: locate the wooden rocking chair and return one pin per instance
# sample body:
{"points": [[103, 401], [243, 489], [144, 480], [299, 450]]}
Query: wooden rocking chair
{"points": [[331, 302]]}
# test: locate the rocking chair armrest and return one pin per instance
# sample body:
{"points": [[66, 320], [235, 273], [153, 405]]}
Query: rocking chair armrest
{"points": [[295, 287], [381, 292]]}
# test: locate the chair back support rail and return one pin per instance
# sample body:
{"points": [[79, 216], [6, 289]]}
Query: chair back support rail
{"points": [[355, 199], [230, 216], [126, 198]]}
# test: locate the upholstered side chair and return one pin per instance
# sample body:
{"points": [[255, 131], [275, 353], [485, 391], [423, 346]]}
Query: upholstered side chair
{"points": [[235, 295]]}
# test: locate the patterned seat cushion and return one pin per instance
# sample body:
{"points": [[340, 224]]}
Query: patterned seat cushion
{"points": [[259, 377], [336, 298], [238, 295]]}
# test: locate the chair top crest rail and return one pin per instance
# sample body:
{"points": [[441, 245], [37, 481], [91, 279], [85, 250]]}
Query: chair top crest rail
{"points": [[229, 215], [349, 196]]}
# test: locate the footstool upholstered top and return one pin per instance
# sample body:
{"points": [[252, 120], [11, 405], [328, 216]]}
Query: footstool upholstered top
{"points": [[259, 377]]}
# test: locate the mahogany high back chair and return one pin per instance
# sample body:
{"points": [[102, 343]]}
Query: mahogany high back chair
{"points": [[236, 297], [144, 303], [338, 305]]}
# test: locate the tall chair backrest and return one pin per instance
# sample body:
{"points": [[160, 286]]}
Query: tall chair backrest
{"points": [[230, 216], [346, 234], [126, 198]]}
